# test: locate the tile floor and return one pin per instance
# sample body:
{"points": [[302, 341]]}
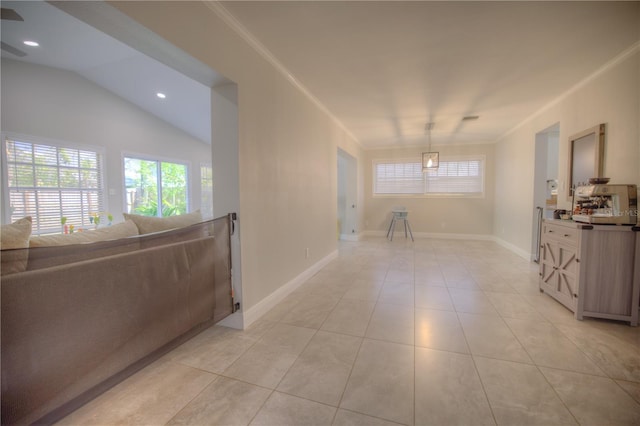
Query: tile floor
{"points": [[436, 332]]}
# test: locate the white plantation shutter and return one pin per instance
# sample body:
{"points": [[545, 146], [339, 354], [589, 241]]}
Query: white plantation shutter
{"points": [[398, 178], [48, 182], [456, 177], [206, 190], [462, 176]]}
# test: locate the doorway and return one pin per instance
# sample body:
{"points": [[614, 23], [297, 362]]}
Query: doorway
{"points": [[545, 187], [347, 226]]}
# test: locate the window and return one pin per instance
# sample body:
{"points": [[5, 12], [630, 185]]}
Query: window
{"points": [[49, 181], [461, 176], [152, 183], [206, 190]]}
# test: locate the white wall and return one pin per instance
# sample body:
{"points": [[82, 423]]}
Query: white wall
{"points": [[610, 97], [61, 105], [287, 150], [434, 215]]}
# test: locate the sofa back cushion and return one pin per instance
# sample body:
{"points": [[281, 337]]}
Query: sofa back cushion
{"points": [[51, 250], [14, 240], [114, 232], [150, 224]]}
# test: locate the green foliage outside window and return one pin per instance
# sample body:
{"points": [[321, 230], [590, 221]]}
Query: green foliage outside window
{"points": [[144, 189]]}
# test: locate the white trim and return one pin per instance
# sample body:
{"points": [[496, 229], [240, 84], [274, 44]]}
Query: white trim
{"points": [[517, 250], [22, 137], [482, 158], [476, 237], [39, 140], [243, 319], [157, 159], [606, 67], [436, 235], [251, 40], [351, 237], [235, 320]]}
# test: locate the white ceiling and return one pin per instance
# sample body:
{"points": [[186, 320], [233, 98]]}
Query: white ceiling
{"points": [[382, 68], [68, 43], [385, 68]]}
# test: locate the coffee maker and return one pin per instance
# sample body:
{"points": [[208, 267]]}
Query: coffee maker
{"points": [[606, 204]]}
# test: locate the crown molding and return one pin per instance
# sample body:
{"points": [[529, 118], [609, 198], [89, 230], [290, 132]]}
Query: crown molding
{"points": [[246, 35], [634, 48]]}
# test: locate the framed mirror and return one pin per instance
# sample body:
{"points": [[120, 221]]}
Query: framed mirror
{"points": [[586, 156]]}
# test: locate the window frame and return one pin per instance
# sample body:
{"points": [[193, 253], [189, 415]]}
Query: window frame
{"points": [[38, 140], [157, 159], [205, 210], [443, 159]]}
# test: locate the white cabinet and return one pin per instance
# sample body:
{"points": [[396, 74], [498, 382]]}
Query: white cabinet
{"points": [[594, 270]]}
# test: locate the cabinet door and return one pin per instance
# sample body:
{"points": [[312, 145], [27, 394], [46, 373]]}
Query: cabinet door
{"points": [[567, 274], [558, 270], [548, 270]]}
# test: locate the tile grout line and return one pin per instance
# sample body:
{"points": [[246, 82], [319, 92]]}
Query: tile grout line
{"points": [[542, 374], [357, 354], [475, 366]]}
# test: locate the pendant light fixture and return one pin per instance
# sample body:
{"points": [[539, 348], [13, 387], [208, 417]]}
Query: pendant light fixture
{"points": [[430, 159]]}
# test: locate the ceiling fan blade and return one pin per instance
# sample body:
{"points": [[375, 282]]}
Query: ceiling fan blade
{"points": [[10, 15], [8, 48]]}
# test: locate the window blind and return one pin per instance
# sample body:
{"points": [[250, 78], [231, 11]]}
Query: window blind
{"points": [[398, 178], [206, 190], [49, 182], [455, 176]]}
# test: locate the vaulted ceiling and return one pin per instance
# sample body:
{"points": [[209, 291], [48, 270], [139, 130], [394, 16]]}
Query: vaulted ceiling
{"points": [[69, 43]]}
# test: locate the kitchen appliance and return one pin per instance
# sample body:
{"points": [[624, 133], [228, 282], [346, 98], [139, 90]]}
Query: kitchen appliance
{"points": [[606, 204]]}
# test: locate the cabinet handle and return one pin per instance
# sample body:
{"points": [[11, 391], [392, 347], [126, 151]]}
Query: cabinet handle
{"points": [[566, 235], [575, 295], [550, 231]]}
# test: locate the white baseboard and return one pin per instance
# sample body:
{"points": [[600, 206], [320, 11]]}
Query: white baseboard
{"points": [[443, 235], [235, 320], [446, 236], [517, 250], [243, 319], [350, 237]]}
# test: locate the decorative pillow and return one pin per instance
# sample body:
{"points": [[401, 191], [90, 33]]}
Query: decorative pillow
{"points": [[15, 236], [150, 224], [113, 232]]}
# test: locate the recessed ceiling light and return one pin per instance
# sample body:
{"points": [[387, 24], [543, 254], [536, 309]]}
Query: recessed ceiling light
{"points": [[470, 117], [161, 95], [31, 43]]}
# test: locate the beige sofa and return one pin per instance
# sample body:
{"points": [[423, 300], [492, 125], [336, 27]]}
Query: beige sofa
{"points": [[81, 317]]}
